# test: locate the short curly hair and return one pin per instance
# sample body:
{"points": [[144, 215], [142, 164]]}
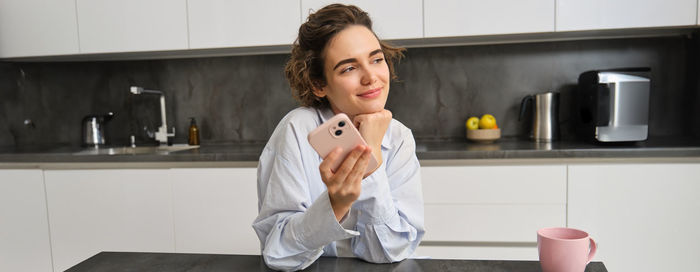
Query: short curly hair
{"points": [[304, 70]]}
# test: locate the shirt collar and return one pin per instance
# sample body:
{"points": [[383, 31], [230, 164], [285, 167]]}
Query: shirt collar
{"points": [[327, 113]]}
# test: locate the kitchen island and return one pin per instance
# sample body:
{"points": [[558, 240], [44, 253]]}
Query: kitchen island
{"points": [[135, 261]]}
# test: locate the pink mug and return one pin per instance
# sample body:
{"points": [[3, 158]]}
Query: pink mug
{"points": [[564, 249]]}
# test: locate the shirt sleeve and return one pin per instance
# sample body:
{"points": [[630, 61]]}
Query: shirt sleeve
{"points": [[293, 229], [390, 220]]}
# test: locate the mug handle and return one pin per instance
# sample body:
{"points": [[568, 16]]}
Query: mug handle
{"points": [[593, 249]]}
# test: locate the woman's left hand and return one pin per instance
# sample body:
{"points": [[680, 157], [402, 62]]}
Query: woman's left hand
{"points": [[372, 127]]}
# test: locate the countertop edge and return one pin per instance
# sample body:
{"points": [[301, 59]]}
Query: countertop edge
{"points": [[254, 164]]}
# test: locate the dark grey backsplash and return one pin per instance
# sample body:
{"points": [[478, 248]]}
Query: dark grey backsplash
{"points": [[241, 98]]}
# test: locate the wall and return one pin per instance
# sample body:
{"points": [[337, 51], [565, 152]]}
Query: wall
{"points": [[241, 98]]}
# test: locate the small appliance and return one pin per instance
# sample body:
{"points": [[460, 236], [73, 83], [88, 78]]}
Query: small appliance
{"points": [[613, 105], [545, 116], [94, 129]]}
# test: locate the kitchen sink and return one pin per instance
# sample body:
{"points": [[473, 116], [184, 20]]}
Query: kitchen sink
{"points": [[128, 150]]}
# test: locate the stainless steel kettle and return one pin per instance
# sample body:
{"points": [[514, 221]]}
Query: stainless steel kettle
{"points": [[545, 116], [94, 129]]}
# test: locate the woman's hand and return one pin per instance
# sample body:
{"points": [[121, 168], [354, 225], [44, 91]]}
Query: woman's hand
{"points": [[372, 127], [344, 186]]}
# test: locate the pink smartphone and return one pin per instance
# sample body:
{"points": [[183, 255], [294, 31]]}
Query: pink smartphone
{"points": [[338, 131]]}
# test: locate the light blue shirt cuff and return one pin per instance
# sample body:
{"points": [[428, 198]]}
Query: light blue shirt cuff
{"points": [[319, 226], [376, 203]]}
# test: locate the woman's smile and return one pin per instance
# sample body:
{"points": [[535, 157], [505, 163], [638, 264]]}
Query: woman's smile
{"points": [[373, 93]]}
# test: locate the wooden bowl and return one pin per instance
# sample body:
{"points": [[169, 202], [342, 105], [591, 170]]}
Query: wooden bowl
{"points": [[484, 135]]}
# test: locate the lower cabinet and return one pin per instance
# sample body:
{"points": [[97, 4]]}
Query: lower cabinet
{"points": [[197, 210], [214, 210], [108, 210], [490, 212], [24, 227], [645, 217]]}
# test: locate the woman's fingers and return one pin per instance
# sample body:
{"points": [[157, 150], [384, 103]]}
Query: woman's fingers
{"points": [[357, 121], [358, 170], [345, 168], [325, 167], [349, 162]]}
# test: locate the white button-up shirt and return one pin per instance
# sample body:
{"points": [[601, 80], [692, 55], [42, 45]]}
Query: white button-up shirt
{"points": [[296, 224]]}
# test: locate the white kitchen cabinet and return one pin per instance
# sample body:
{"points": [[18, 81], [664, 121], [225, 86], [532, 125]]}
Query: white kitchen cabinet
{"points": [[24, 227], [108, 210], [444, 18], [604, 14], [645, 217], [214, 209], [37, 28], [391, 19], [107, 26], [490, 212], [223, 23]]}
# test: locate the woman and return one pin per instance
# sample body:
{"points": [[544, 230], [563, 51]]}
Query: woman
{"points": [[306, 210]]}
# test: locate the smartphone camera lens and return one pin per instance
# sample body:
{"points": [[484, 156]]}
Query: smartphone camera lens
{"points": [[341, 124], [338, 132]]}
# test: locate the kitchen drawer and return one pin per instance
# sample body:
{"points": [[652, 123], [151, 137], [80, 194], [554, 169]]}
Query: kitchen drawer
{"points": [[530, 184], [490, 223]]}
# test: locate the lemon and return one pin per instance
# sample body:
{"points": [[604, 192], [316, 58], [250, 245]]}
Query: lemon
{"points": [[472, 123], [487, 121]]}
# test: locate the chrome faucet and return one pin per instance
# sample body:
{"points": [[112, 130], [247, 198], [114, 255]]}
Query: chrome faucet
{"points": [[162, 134]]}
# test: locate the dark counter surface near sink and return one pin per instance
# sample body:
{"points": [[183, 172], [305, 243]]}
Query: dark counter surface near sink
{"points": [[131, 261], [507, 148]]}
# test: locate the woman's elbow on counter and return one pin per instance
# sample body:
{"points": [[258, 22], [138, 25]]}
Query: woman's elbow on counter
{"points": [[282, 264]]}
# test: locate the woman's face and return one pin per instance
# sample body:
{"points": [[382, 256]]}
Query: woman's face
{"points": [[357, 75]]}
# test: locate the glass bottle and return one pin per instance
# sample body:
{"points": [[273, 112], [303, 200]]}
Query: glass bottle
{"points": [[194, 133]]}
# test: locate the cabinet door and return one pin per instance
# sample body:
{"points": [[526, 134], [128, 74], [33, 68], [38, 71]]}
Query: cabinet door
{"points": [[476, 17], [223, 23], [490, 212], [132, 25], [37, 28], [604, 14], [108, 210], [644, 216], [24, 227], [214, 210], [391, 19]]}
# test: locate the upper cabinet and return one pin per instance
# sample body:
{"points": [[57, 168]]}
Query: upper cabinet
{"points": [[224, 23], [107, 26], [476, 17], [37, 28], [391, 19], [605, 14]]}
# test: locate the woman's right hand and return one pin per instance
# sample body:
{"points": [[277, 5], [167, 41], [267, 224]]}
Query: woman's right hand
{"points": [[345, 185]]}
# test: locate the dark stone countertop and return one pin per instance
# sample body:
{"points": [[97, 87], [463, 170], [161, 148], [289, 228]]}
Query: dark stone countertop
{"points": [[507, 148], [154, 262]]}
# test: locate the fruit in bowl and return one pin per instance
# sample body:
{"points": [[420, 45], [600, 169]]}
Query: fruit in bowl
{"points": [[487, 121], [483, 130], [473, 123]]}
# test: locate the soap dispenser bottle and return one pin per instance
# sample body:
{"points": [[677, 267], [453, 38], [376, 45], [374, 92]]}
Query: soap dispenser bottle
{"points": [[194, 133]]}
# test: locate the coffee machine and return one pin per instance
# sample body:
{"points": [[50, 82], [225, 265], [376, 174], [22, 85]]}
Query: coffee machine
{"points": [[613, 105]]}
